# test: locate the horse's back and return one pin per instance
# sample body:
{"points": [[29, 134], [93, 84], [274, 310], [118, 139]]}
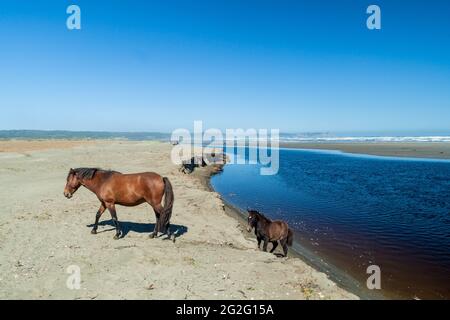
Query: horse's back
{"points": [[134, 187], [279, 223], [145, 181], [278, 229], [147, 174]]}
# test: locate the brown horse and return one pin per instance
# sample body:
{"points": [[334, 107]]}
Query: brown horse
{"points": [[270, 231], [129, 190]]}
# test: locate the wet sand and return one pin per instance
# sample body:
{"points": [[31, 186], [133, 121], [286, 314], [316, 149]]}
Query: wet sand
{"points": [[435, 150], [42, 234]]}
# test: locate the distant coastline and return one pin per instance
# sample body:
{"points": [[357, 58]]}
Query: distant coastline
{"points": [[81, 135], [420, 146]]}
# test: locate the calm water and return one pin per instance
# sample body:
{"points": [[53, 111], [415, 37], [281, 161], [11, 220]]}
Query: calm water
{"points": [[356, 211]]}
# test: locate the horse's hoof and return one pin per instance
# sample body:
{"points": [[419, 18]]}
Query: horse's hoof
{"points": [[116, 237], [94, 231], [151, 236]]}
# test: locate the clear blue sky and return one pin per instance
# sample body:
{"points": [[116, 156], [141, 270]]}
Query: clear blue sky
{"points": [[159, 65]]}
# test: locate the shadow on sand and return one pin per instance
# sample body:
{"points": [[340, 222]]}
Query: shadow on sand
{"points": [[127, 226]]}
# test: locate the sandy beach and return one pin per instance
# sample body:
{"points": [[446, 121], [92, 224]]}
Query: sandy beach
{"points": [[434, 150], [42, 234]]}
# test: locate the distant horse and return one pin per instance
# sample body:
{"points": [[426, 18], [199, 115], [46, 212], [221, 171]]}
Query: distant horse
{"points": [[270, 231], [129, 190]]}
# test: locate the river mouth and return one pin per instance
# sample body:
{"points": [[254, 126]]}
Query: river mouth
{"points": [[349, 213]]}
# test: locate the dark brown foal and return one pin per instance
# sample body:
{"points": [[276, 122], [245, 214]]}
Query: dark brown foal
{"points": [[270, 231]]}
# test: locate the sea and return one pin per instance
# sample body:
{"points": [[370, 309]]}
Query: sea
{"points": [[314, 137]]}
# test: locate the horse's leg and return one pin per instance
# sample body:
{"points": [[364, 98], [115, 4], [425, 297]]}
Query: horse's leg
{"points": [[284, 245], [266, 241], [167, 231], [274, 246], [259, 242], [112, 209], [97, 217], [158, 210], [156, 229]]}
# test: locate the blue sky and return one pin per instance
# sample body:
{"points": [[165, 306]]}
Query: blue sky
{"points": [[159, 65]]}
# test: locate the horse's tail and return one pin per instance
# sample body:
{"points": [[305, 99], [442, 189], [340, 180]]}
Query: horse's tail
{"points": [[168, 203], [290, 238]]}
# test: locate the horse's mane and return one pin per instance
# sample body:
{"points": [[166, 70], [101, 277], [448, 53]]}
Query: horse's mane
{"points": [[89, 173], [260, 215]]}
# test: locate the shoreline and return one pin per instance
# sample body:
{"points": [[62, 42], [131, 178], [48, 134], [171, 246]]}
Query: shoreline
{"points": [[297, 251], [392, 292], [425, 150], [413, 150], [345, 281], [211, 258]]}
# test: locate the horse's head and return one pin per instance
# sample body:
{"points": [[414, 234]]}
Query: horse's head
{"points": [[72, 184], [252, 219]]}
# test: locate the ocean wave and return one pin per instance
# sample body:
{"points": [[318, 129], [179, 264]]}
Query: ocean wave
{"points": [[368, 139]]}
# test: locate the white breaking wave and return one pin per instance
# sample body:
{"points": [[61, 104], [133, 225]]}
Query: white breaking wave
{"points": [[368, 139]]}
